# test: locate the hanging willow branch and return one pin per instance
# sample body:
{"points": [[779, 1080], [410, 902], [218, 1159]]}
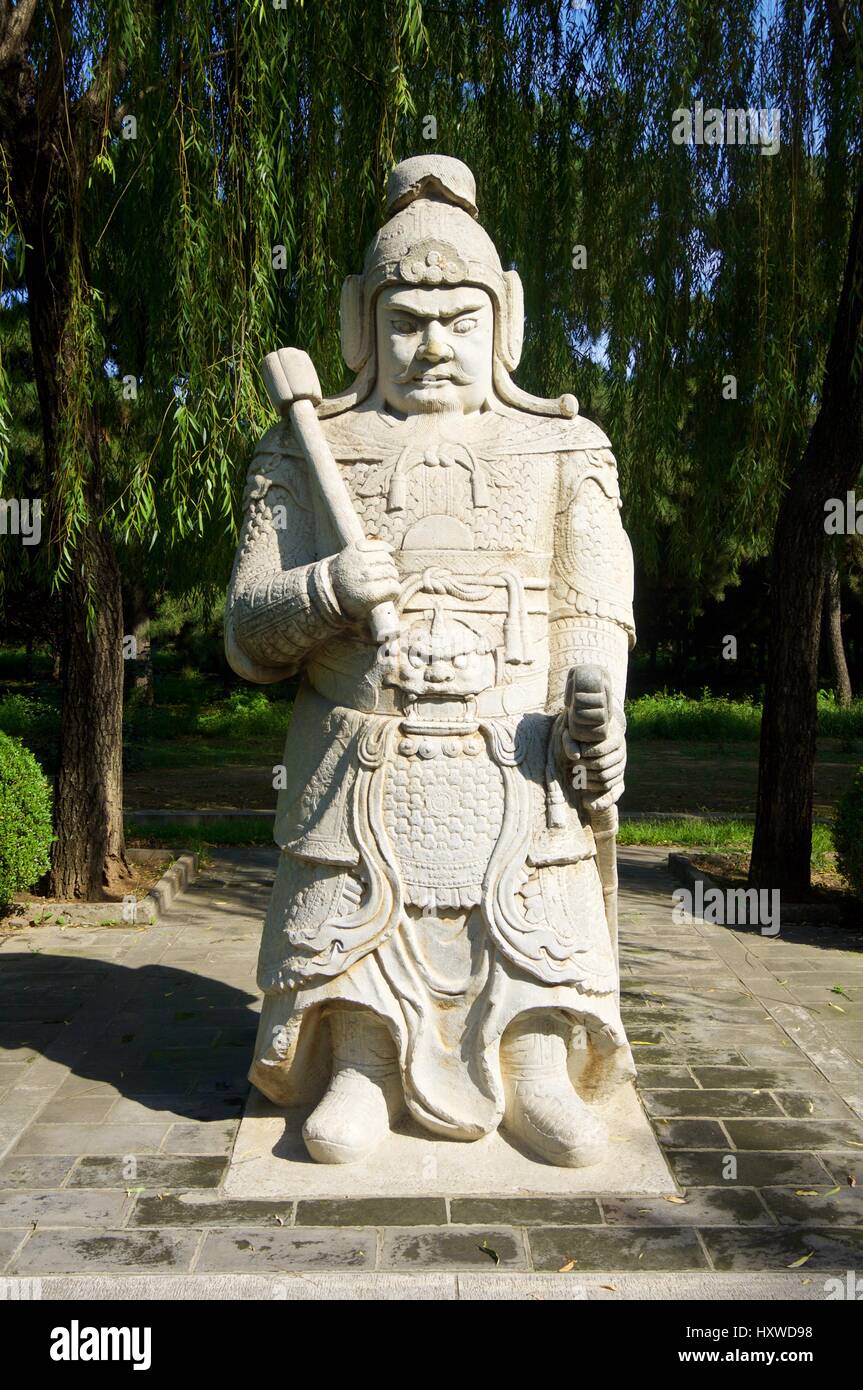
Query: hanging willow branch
{"points": [[263, 138]]}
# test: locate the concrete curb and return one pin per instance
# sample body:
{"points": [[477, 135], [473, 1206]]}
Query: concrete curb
{"points": [[174, 881], [147, 910]]}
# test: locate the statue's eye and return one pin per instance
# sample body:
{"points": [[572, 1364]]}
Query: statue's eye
{"points": [[403, 325], [460, 661], [464, 326]]}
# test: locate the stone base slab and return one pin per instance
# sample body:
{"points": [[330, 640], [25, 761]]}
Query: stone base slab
{"points": [[270, 1160]]}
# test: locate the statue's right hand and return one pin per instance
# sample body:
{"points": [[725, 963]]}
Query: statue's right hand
{"points": [[362, 576]]}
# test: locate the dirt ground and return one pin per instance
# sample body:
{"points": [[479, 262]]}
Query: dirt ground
{"points": [[139, 883], [731, 870]]}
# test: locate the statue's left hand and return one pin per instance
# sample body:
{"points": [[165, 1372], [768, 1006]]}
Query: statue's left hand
{"points": [[594, 738]]}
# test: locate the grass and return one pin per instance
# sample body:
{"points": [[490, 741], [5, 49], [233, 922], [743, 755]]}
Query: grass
{"points": [[243, 715], [714, 835], [197, 732]]}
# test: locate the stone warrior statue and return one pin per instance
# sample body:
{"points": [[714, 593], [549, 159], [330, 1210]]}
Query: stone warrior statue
{"points": [[442, 929]]}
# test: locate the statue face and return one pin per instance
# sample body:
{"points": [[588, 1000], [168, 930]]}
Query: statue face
{"points": [[434, 349]]}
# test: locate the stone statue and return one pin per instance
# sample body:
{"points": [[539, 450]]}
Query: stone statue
{"points": [[441, 556]]}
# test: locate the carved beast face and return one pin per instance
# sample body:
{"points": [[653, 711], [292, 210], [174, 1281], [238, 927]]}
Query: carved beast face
{"points": [[444, 658]]}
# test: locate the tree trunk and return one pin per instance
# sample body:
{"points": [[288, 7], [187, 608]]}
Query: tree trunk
{"points": [[828, 467], [89, 851], [89, 854], [141, 672], [833, 633]]}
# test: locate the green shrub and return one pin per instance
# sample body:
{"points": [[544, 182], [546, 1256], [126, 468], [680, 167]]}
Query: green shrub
{"points": [[25, 819], [848, 835], [246, 714], [23, 716]]}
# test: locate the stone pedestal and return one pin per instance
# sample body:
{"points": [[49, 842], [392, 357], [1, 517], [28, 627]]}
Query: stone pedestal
{"points": [[270, 1160]]}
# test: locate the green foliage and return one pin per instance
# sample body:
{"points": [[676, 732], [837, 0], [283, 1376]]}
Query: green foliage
{"points": [[848, 833], [260, 127], [25, 819], [21, 714], [34, 721], [190, 728], [676, 716], [246, 714], [713, 717]]}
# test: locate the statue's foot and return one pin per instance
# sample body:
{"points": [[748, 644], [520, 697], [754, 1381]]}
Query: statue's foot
{"points": [[543, 1110], [353, 1118], [364, 1096], [554, 1123]]}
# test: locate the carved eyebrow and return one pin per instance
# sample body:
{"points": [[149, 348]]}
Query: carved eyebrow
{"points": [[470, 306]]}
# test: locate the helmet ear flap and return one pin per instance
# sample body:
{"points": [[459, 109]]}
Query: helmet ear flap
{"points": [[512, 326], [353, 326]]}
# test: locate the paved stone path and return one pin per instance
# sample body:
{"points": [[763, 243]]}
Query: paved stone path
{"points": [[122, 1078]]}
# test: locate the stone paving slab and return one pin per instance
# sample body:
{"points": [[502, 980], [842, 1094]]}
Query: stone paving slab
{"points": [[122, 1082], [352, 1286]]}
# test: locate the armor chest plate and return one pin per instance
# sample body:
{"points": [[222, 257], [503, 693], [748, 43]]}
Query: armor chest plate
{"points": [[453, 498]]}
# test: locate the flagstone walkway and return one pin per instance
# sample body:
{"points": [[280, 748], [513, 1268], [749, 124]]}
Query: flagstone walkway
{"points": [[122, 1079]]}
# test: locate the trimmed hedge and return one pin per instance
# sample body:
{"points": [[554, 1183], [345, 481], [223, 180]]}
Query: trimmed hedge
{"points": [[25, 819]]}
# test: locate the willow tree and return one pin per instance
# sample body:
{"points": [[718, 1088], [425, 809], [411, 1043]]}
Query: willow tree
{"points": [[159, 164], [192, 182], [716, 277]]}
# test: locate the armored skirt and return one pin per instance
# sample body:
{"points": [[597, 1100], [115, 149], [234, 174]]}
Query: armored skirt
{"points": [[436, 874]]}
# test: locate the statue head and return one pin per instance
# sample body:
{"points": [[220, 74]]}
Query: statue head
{"points": [[433, 310], [434, 323]]}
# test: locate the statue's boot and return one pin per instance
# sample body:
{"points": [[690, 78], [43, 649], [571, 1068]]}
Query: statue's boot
{"points": [[364, 1095], [543, 1110]]}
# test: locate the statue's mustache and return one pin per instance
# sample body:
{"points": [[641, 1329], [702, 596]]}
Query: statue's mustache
{"points": [[450, 372]]}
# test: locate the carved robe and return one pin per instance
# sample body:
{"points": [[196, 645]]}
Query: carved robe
{"points": [[436, 867]]}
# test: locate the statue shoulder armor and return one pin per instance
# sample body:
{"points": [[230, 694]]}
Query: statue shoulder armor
{"points": [[582, 435], [590, 457], [274, 464], [541, 434]]}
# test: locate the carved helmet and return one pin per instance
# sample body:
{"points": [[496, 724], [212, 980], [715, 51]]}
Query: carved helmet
{"points": [[431, 237]]}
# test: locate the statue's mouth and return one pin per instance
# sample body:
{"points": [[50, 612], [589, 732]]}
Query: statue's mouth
{"points": [[439, 713]]}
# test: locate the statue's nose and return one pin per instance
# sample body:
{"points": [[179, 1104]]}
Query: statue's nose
{"points": [[434, 346], [439, 671]]}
